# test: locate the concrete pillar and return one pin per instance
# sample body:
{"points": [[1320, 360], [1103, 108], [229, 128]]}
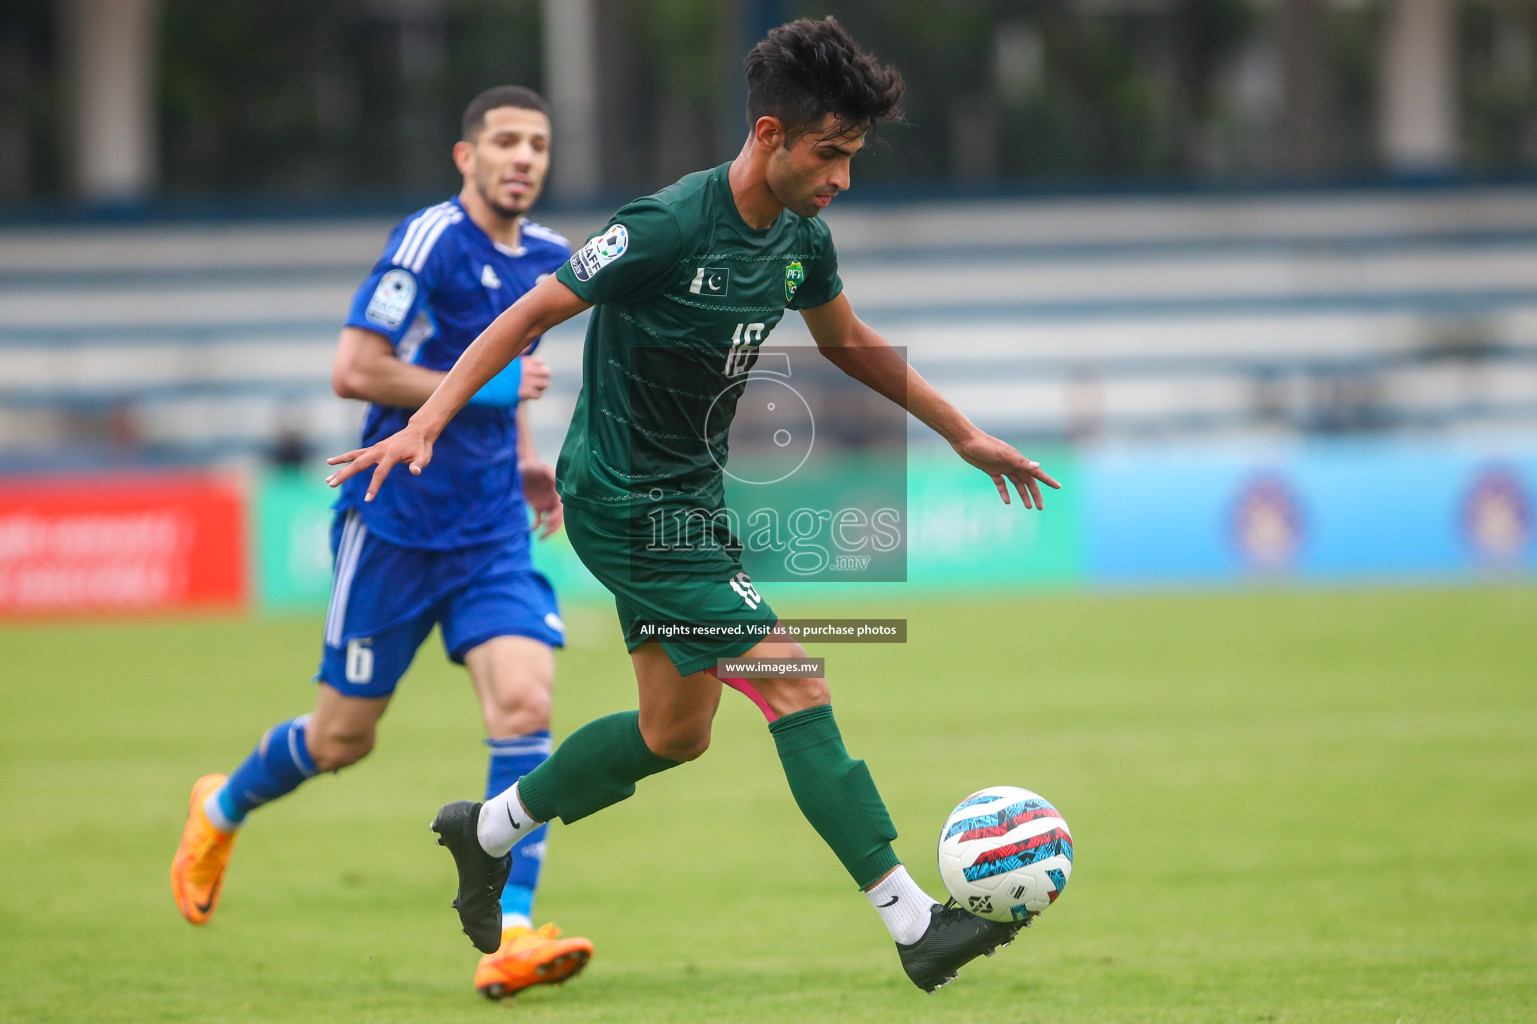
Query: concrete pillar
{"points": [[110, 48], [571, 83], [423, 136], [1417, 91], [1306, 88]]}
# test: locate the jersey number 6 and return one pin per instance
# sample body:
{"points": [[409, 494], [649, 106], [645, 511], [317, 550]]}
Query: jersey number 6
{"points": [[360, 661]]}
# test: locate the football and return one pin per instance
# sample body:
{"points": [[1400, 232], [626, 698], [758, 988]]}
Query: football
{"points": [[1005, 853]]}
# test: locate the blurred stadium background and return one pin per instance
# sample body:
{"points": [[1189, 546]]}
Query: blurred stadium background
{"points": [[1282, 253]]}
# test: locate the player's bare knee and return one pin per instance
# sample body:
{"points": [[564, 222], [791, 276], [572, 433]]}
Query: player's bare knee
{"points": [[687, 748], [679, 744], [333, 751], [518, 712]]}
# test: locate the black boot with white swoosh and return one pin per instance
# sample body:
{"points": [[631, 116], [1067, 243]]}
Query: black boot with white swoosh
{"points": [[953, 939]]}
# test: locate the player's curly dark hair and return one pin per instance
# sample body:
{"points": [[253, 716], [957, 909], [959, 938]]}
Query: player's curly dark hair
{"points": [[498, 96], [802, 71]]}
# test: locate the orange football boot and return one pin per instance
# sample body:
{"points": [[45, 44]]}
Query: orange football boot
{"points": [[197, 870], [530, 957]]}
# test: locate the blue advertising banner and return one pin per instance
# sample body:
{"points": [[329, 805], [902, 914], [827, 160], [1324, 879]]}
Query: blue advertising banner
{"points": [[1358, 511], [957, 533], [1327, 511]]}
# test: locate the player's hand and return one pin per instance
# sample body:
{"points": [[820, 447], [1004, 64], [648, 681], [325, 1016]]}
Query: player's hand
{"points": [[1001, 462], [410, 446], [540, 493], [536, 378]]}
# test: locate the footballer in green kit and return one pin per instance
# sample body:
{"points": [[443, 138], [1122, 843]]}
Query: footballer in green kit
{"points": [[685, 292], [686, 285]]}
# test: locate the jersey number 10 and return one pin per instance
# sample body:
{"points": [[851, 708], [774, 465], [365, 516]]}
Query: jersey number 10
{"points": [[743, 340]]}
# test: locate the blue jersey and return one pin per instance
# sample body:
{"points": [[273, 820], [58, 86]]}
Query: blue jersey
{"points": [[441, 281]]}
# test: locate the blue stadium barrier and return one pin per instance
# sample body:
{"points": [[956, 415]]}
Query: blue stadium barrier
{"points": [[1362, 511]]}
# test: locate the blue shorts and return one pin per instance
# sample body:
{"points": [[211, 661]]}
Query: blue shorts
{"points": [[385, 599]]}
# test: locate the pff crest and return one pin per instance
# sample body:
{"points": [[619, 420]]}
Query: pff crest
{"points": [[795, 276]]}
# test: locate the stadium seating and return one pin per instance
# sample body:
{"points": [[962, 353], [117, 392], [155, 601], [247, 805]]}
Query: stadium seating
{"points": [[1238, 315]]}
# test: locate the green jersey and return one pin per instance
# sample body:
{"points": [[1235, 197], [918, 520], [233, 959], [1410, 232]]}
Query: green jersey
{"points": [[685, 292]]}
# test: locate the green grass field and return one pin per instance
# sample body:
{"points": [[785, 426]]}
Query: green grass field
{"points": [[1316, 806]]}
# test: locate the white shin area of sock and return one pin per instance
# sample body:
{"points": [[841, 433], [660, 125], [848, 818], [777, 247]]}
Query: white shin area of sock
{"points": [[215, 813], [503, 821], [902, 905]]}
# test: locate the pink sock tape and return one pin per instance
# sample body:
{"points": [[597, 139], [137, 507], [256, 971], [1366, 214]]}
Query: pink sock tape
{"points": [[747, 689]]}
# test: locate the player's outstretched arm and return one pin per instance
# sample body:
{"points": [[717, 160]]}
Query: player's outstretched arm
{"points": [[545, 305], [856, 349]]}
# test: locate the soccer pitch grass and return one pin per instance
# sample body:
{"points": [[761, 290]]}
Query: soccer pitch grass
{"points": [[1288, 806]]}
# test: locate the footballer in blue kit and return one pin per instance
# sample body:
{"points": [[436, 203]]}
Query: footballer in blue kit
{"points": [[451, 549]]}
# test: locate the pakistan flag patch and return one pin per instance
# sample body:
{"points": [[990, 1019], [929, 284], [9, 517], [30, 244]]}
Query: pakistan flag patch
{"points": [[795, 276]]}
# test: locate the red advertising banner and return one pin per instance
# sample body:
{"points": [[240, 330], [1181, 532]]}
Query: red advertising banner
{"points": [[121, 543]]}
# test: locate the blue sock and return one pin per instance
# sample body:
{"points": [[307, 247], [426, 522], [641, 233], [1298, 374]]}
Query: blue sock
{"points": [[511, 759], [278, 764]]}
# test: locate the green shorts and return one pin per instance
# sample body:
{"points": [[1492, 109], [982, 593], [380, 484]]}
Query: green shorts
{"points": [[693, 582]]}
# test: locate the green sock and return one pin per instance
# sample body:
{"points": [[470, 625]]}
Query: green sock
{"points": [[597, 765], [835, 793]]}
